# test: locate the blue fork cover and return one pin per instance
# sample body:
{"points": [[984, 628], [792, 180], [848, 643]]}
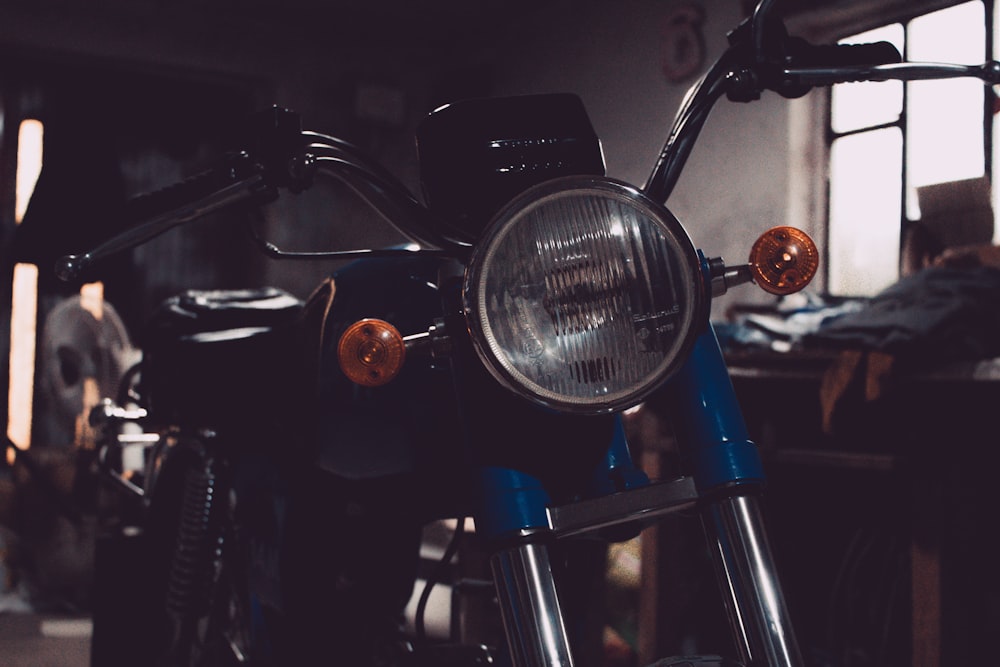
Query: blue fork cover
{"points": [[712, 433], [511, 501]]}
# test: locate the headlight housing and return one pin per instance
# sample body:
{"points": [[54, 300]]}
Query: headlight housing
{"points": [[584, 294]]}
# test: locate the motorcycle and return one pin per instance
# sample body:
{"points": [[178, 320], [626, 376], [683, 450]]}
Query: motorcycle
{"points": [[278, 457]]}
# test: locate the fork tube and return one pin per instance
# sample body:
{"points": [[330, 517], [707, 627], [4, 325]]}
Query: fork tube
{"points": [[536, 633], [513, 514], [728, 473], [746, 570]]}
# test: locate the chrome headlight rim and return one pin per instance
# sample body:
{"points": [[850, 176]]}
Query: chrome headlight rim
{"points": [[691, 272]]}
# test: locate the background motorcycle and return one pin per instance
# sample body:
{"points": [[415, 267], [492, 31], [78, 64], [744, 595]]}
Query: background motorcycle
{"points": [[274, 506]]}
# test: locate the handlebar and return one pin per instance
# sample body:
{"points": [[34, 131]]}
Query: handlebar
{"points": [[761, 56], [282, 157], [988, 72]]}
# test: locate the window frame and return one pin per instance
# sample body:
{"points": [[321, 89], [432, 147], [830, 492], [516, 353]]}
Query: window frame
{"points": [[810, 133]]}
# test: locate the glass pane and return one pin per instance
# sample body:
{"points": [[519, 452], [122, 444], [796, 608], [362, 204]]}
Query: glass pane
{"points": [[994, 190], [945, 118], [857, 105], [865, 211], [23, 316], [944, 131], [29, 164], [996, 119], [953, 35]]}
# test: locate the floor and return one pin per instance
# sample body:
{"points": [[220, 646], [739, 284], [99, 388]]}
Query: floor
{"points": [[32, 640]]}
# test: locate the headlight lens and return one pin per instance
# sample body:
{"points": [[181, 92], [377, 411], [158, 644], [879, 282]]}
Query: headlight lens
{"points": [[584, 294]]}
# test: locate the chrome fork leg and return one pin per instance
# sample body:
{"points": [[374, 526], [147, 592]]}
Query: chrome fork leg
{"points": [[532, 617], [746, 569]]}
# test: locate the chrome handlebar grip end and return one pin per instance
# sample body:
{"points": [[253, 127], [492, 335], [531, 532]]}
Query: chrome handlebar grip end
{"points": [[69, 267], [991, 72]]}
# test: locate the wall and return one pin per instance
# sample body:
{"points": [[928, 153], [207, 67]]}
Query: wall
{"points": [[736, 182], [609, 53]]}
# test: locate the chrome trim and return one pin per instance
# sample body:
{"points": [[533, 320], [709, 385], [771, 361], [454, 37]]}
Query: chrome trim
{"points": [[530, 607], [757, 613], [641, 503], [688, 269]]}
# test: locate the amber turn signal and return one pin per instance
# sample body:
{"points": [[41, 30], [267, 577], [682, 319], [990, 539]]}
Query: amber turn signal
{"points": [[783, 260], [371, 352]]}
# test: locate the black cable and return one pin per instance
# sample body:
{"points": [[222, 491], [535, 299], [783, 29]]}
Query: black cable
{"points": [[434, 577]]}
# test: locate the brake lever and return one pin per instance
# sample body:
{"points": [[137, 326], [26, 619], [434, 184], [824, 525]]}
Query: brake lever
{"points": [[243, 187], [274, 158]]}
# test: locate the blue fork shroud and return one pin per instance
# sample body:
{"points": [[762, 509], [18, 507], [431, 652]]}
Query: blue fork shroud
{"points": [[711, 433]]}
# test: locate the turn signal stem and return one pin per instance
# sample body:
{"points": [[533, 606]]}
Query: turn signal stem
{"points": [[725, 277], [435, 341]]}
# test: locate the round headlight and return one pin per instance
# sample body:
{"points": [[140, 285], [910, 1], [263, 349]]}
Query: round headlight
{"points": [[584, 294]]}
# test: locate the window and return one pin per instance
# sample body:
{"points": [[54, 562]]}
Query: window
{"points": [[889, 139], [24, 295]]}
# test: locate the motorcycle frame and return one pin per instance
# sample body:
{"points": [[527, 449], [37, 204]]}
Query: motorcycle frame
{"points": [[726, 474]]}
